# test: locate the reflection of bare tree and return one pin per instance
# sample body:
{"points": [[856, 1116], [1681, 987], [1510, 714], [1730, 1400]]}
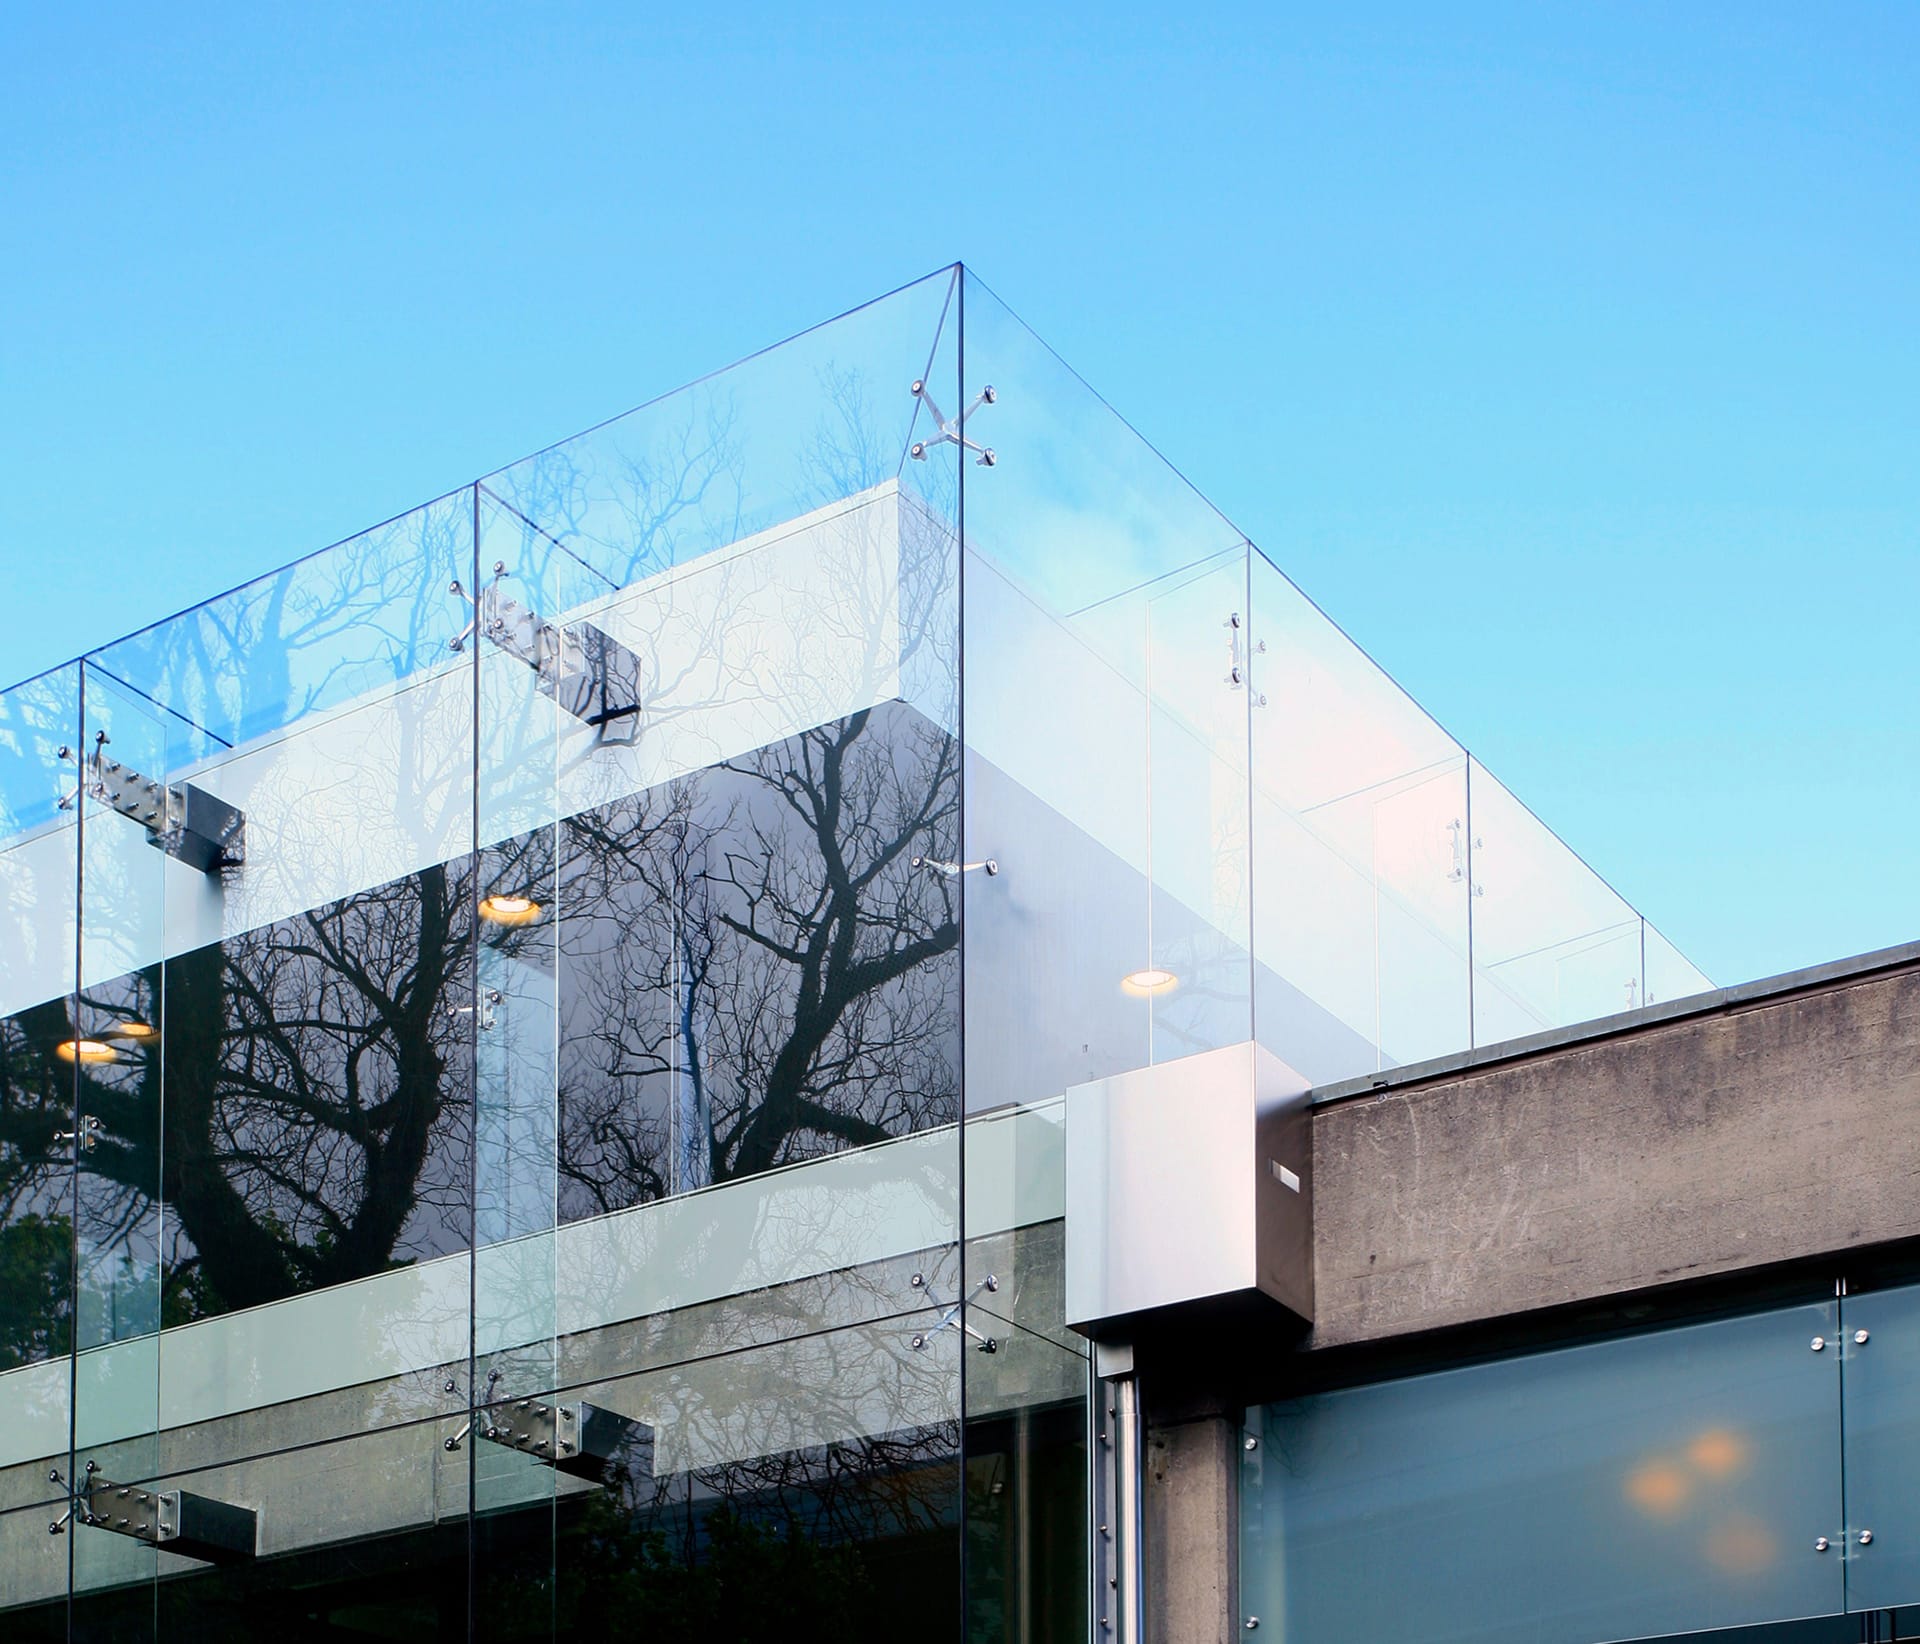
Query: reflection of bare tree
{"points": [[840, 1541], [36, 1102], [367, 611], [754, 970], [750, 970], [313, 1128], [315, 1094]]}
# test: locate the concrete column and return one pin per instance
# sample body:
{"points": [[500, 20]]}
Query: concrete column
{"points": [[1192, 1514]]}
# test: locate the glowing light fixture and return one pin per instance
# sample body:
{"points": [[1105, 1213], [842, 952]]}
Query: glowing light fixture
{"points": [[130, 1029], [84, 1050], [509, 910], [1143, 984]]}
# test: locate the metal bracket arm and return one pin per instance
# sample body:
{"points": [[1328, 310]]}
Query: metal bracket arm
{"points": [[195, 1526], [182, 820], [586, 671], [578, 1438]]}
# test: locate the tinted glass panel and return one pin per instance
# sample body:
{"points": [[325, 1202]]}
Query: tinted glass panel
{"points": [[1661, 1484]]}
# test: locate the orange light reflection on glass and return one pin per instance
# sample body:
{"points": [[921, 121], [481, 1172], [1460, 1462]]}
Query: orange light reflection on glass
{"points": [[1658, 1487], [1718, 1452], [83, 1050], [1143, 984], [509, 910]]}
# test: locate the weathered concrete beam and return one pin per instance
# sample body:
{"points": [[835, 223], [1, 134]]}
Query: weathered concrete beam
{"points": [[1763, 1125]]}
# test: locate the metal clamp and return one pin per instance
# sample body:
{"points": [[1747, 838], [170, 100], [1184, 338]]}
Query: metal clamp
{"points": [[954, 1318], [490, 1000], [192, 1525], [88, 1135], [953, 431], [953, 870], [1237, 661]]}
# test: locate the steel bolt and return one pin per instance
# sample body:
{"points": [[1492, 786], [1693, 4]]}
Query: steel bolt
{"points": [[1818, 1343], [1820, 1544], [1866, 1538], [1253, 1622], [1860, 1338], [1252, 1442]]}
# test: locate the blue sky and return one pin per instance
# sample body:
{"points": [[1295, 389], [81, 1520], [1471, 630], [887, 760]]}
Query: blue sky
{"points": [[1567, 356]]}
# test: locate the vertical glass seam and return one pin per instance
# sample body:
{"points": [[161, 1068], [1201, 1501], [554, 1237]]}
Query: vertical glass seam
{"points": [[960, 793]]}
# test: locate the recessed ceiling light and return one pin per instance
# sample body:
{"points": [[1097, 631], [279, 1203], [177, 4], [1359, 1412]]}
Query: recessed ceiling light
{"points": [[84, 1050], [509, 910], [1144, 984]]}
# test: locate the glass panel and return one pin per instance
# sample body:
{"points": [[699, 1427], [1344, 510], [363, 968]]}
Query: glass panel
{"points": [[1552, 943], [744, 456], [1360, 857], [316, 1143], [33, 1577], [718, 781], [1665, 1483], [39, 1076], [1105, 710], [1106, 740], [337, 629], [39, 867], [726, 1507], [125, 811], [550, 701], [1670, 974], [1883, 1448]]}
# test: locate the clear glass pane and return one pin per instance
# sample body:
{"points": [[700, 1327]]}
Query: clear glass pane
{"points": [[718, 780], [365, 1537], [33, 1575], [1553, 944], [39, 887], [1667, 1483], [1360, 857], [1108, 903], [126, 808], [316, 1133], [1106, 738], [1670, 974], [1882, 1448], [742, 457]]}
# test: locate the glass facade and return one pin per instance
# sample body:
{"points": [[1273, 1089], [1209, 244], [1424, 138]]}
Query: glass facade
{"points": [[533, 1041], [1744, 1473]]}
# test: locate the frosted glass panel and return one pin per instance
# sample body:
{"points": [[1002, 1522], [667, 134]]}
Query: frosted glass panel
{"points": [[1883, 1448], [1660, 1484]]}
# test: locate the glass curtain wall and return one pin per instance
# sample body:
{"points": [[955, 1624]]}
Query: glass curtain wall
{"points": [[535, 1040], [509, 1182]]}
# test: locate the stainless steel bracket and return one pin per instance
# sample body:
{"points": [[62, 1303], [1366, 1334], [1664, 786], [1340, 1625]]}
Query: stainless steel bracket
{"points": [[955, 1316], [952, 430], [586, 671], [179, 1521], [953, 870], [580, 1438], [186, 822], [1239, 655]]}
